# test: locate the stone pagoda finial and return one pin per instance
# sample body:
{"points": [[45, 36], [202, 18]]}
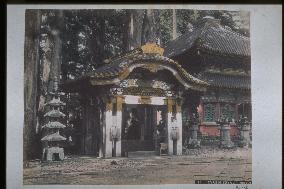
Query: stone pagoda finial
{"points": [[55, 84]]}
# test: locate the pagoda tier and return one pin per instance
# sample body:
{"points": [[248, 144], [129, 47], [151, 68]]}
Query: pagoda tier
{"points": [[55, 137], [54, 125], [57, 93], [56, 102], [54, 114]]}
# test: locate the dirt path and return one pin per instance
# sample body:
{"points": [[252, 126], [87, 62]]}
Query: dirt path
{"points": [[204, 164]]}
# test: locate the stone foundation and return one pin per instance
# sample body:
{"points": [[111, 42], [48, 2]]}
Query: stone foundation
{"points": [[50, 153]]}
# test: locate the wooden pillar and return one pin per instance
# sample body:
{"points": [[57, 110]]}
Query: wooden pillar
{"points": [[218, 111], [236, 111], [119, 101], [107, 129], [101, 134], [179, 127], [143, 126], [169, 125], [201, 116]]}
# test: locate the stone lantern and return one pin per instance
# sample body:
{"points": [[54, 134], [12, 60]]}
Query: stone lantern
{"points": [[114, 137], [225, 138], [52, 139], [193, 141], [174, 136], [245, 127]]}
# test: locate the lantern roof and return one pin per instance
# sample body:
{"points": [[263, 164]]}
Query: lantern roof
{"points": [[55, 114], [54, 125], [56, 102], [53, 137]]}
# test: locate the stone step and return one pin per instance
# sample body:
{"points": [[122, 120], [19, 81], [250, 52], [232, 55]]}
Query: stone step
{"points": [[141, 153]]}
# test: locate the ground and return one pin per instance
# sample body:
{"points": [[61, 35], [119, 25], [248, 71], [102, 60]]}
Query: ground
{"points": [[202, 164]]}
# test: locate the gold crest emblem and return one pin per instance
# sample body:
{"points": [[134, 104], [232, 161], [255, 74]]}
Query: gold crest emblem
{"points": [[152, 48]]}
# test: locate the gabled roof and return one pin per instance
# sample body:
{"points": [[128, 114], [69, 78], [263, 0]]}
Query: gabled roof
{"points": [[210, 36], [225, 80], [149, 56]]}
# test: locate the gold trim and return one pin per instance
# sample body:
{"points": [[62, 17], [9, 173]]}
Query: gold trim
{"points": [[124, 74], [109, 106], [119, 101], [170, 105], [152, 67], [152, 48], [144, 100], [178, 108]]}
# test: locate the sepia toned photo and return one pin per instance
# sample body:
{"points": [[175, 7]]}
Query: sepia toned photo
{"points": [[137, 97]]}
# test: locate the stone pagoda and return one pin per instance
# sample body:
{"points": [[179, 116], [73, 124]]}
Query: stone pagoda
{"points": [[52, 140]]}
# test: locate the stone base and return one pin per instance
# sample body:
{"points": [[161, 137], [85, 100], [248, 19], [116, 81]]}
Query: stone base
{"points": [[53, 154], [194, 143], [244, 143], [226, 144]]}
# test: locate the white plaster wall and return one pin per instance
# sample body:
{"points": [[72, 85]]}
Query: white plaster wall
{"points": [[157, 100], [170, 141], [131, 99], [108, 142], [119, 126], [179, 126]]}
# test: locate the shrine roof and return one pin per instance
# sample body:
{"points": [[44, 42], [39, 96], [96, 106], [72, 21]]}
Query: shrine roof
{"points": [[210, 36], [149, 56], [53, 137], [227, 80]]}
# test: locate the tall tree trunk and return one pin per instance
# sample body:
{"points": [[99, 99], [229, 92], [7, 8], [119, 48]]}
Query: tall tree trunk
{"points": [[98, 37], [51, 57], [57, 41], [126, 32], [135, 28], [31, 70], [149, 27], [174, 24]]}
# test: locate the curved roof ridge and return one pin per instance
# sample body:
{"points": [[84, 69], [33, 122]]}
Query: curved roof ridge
{"points": [[215, 37], [113, 73], [234, 32]]}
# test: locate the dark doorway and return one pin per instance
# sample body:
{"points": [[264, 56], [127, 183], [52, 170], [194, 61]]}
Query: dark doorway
{"points": [[55, 157], [139, 128]]}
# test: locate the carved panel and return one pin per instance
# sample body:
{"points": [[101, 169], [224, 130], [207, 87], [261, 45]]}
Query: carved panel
{"points": [[119, 101], [152, 48], [152, 67], [144, 100], [170, 105], [109, 106]]}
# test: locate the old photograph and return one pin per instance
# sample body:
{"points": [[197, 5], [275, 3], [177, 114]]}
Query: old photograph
{"points": [[137, 97]]}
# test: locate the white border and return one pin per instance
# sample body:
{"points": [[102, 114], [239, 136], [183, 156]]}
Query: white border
{"points": [[266, 45]]}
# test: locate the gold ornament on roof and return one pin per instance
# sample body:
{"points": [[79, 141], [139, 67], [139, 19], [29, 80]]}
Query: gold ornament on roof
{"points": [[152, 48]]}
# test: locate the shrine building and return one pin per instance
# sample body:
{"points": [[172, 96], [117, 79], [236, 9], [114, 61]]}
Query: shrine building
{"points": [[142, 99]]}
